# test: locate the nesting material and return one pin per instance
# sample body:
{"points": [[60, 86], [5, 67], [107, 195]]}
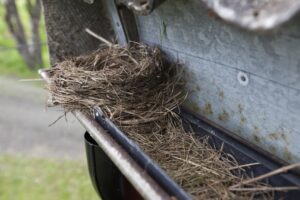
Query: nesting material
{"points": [[138, 90], [132, 85]]}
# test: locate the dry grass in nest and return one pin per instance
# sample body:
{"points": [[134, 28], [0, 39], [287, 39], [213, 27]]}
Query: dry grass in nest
{"points": [[202, 170], [133, 85], [139, 90]]}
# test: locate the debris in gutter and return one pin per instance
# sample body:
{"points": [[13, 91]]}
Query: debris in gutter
{"points": [[138, 89]]}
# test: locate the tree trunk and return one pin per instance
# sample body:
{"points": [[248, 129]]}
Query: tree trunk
{"points": [[30, 52], [35, 16]]}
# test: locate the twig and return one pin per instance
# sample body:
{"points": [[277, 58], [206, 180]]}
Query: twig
{"points": [[31, 80], [56, 120], [196, 165], [272, 173], [98, 37], [243, 166], [266, 189]]}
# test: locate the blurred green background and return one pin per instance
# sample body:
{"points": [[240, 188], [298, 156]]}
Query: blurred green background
{"points": [[29, 177], [34, 178], [11, 63]]}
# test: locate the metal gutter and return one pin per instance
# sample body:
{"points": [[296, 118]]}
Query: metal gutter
{"points": [[146, 176], [138, 177], [240, 147], [150, 166]]}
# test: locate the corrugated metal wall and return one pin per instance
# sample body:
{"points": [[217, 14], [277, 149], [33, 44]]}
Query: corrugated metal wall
{"points": [[247, 82]]}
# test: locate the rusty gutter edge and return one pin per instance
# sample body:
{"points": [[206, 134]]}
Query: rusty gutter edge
{"points": [[137, 176]]}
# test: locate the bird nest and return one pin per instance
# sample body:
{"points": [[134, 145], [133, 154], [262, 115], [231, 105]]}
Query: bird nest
{"points": [[138, 90]]}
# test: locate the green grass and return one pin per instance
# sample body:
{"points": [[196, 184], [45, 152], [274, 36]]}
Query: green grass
{"points": [[39, 179], [11, 63]]}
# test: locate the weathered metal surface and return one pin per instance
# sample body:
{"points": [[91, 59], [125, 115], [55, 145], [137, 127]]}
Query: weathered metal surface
{"points": [[114, 15], [123, 23], [246, 82], [137, 176], [255, 14]]}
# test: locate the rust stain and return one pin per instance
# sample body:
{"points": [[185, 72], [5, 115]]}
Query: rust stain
{"points": [[242, 120], [273, 149], [256, 129], [211, 14], [224, 116], [255, 134], [221, 95], [208, 109], [241, 109], [193, 107], [256, 138], [273, 136], [287, 154], [283, 136], [278, 136]]}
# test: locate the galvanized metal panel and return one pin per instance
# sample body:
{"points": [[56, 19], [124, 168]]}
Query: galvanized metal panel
{"points": [[248, 83]]}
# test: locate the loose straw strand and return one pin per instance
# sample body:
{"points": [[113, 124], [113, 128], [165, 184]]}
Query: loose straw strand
{"points": [[272, 173], [95, 35]]}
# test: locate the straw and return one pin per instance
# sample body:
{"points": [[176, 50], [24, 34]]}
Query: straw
{"points": [[138, 89]]}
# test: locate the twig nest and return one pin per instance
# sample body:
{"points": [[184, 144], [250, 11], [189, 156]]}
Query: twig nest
{"points": [[133, 85], [139, 90]]}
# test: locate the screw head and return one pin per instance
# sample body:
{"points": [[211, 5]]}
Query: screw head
{"points": [[243, 78]]}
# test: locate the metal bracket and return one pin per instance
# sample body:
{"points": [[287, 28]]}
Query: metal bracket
{"points": [[143, 7], [117, 22], [123, 21]]}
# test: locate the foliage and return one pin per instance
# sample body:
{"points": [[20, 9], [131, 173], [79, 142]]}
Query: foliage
{"points": [[11, 63], [30, 178]]}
